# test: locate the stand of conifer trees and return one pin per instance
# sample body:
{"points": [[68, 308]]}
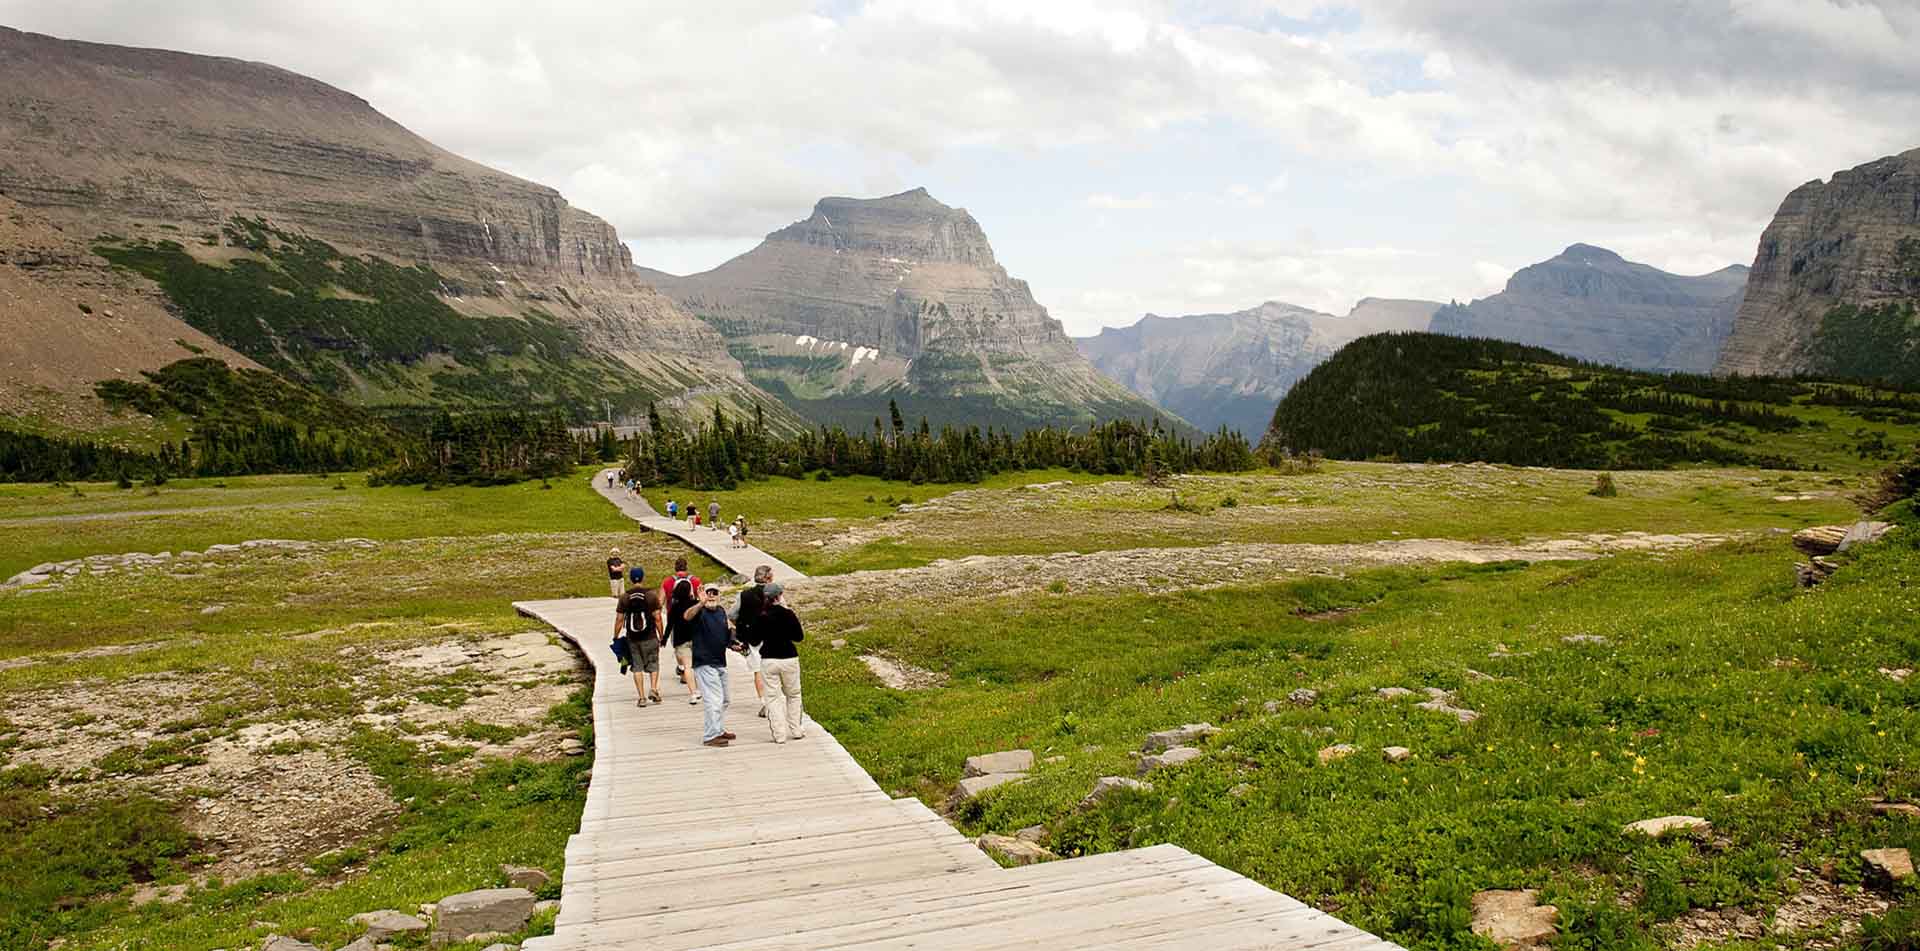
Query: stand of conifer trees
{"points": [[722, 452]]}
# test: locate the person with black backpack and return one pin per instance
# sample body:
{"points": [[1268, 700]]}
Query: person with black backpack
{"points": [[681, 591], [636, 621]]}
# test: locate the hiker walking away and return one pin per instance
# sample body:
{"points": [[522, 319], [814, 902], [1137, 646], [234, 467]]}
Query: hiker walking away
{"points": [[713, 514], [609, 478], [681, 591], [746, 616], [673, 509], [733, 534], [637, 619], [712, 637], [778, 629], [615, 568], [743, 531]]}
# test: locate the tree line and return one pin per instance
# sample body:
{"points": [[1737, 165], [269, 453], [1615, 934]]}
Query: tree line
{"points": [[721, 452]]}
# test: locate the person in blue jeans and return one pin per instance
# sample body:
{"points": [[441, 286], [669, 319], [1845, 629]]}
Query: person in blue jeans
{"points": [[712, 638]]}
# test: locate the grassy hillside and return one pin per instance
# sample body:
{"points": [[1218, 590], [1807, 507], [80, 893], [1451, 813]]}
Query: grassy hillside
{"points": [[1431, 398], [370, 331]]}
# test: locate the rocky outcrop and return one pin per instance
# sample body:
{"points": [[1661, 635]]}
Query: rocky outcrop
{"points": [[1230, 370], [166, 146], [1591, 303], [898, 297], [1830, 243]]}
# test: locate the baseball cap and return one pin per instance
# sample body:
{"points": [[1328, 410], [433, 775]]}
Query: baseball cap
{"points": [[713, 589], [636, 573], [772, 589]]}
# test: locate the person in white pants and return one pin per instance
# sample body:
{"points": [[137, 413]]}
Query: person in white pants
{"points": [[780, 634]]}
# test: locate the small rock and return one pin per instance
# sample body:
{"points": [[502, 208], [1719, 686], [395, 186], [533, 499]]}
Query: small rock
{"points": [[1396, 754], [1108, 785], [1336, 752], [1666, 825], [1435, 693], [837, 643], [1889, 865], [1186, 735], [1303, 697], [972, 787], [213, 609], [572, 747], [1899, 675], [1392, 693], [527, 877], [1513, 919], [1008, 761], [363, 943], [1594, 639], [1897, 809], [1442, 706], [1172, 757], [1032, 834], [427, 908], [469, 915], [1013, 850], [1241, 791], [1054, 759], [1478, 677], [274, 942], [1273, 706], [387, 923]]}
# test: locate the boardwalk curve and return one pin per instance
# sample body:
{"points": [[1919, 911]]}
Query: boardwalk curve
{"points": [[711, 542], [762, 846]]}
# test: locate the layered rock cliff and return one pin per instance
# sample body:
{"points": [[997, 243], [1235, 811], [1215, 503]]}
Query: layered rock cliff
{"points": [[1231, 369], [1592, 304], [1830, 243], [867, 300], [152, 145]]}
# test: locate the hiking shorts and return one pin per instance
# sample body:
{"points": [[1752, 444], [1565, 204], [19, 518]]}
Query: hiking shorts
{"points": [[683, 655], [643, 653]]}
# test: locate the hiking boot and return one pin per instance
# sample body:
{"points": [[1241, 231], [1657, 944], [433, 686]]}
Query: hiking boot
{"points": [[728, 736], [720, 740]]}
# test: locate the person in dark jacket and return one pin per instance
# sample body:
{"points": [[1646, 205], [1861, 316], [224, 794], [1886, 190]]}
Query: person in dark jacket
{"points": [[778, 629], [752, 601], [712, 635]]}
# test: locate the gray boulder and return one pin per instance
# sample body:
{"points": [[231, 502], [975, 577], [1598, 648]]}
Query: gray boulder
{"points": [[526, 876], [1172, 757], [972, 787], [1108, 785], [486, 911], [1186, 735], [1008, 761], [388, 923], [1303, 697], [1013, 850], [274, 942]]}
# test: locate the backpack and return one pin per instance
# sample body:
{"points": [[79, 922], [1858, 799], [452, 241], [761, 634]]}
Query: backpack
{"points": [[682, 598], [639, 619]]}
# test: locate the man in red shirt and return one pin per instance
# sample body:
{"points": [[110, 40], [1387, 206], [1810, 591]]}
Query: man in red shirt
{"points": [[679, 592]]}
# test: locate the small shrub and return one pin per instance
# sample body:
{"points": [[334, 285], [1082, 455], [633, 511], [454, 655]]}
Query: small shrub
{"points": [[1603, 486], [823, 476], [1229, 502], [1057, 586]]}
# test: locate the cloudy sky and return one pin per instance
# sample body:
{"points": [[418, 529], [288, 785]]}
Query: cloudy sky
{"points": [[1128, 157]]}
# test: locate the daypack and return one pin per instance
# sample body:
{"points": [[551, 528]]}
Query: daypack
{"points": [[639, 619], [681, 599]]}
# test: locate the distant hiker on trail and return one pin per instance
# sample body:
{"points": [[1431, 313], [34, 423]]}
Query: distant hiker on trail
{"points": [[681, 591], [746, 615], [636, 619], [615, 568], [778, 629], [673, 509], [712, 637], [609, 480], [713, 514], [733, 534], [742, 519]]}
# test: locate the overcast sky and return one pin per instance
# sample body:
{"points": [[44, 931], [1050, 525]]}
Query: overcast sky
{"points": [[1128, 157]]}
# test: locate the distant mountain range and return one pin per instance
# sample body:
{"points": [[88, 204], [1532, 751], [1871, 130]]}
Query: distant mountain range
{"points": [[1230, 369], [897, 298], [1586, 302]]}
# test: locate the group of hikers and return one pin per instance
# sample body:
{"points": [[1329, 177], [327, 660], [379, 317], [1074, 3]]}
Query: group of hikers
{"points": [[736, 529], [690, 619]]}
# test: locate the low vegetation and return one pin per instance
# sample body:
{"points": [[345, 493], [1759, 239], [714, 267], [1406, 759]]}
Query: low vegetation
{"points": [[1431, 398]]}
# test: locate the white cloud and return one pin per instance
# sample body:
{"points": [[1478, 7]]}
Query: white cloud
{"points": [[1122, 202]]}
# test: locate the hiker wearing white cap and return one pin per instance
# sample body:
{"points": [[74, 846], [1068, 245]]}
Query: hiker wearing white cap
{"points": [[712, 638], [778, 629]]}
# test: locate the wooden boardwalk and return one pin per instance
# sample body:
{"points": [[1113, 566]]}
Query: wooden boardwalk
{"points": [[764, 846], [710, 542]]}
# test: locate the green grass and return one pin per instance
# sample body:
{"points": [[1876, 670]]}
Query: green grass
{"points": [[195, 513], [779, 497], [1724, 692]]}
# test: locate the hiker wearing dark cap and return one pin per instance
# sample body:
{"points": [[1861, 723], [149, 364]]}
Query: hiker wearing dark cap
{"points": [[615, 568], [778, 629], [637, 620], [712, 638]]}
